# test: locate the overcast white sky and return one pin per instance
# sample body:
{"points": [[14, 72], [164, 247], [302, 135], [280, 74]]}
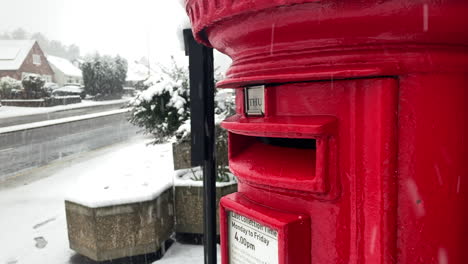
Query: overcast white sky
{"points": [[131, 28]]}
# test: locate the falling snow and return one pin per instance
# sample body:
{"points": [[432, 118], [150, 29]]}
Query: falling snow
{"points": [[32, 219]]}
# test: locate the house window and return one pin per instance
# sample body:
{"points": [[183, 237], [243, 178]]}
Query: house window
{"points": [[36, 59]]}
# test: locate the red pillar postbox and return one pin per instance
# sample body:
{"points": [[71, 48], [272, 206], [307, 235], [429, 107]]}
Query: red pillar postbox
{"points": [[350, 139]]}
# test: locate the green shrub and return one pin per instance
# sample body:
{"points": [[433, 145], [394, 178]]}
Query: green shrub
{"points": [[7, 85], [33, 85]]}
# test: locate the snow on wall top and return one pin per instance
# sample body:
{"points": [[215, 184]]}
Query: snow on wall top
{"points": [[136, 173], [13, 53], [194, 177], [64, 66], [133, 174]]}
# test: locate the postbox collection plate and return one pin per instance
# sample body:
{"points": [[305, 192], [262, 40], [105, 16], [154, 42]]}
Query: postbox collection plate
{"points": [[255, 100], [250, 241], [252, 233]]}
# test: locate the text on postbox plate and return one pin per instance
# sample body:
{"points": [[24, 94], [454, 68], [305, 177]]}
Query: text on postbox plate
{"points": [[250, 241], [255, 100]]}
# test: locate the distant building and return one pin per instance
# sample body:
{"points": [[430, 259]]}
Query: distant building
{"points": [[137, 73], [19, 58], [65, 71], [77, 62]]}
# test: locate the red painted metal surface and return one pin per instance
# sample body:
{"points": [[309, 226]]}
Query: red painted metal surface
{"points": [[381, 88]]}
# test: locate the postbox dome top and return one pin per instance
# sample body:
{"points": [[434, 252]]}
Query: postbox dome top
{"points": [[204, 13], [272, 41]]}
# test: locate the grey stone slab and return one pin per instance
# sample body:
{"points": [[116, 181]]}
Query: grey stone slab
{"points": [[119, 231], [181, 153]]}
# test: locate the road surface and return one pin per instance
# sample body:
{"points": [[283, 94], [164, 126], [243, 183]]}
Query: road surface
{"points": [[22, 149]]}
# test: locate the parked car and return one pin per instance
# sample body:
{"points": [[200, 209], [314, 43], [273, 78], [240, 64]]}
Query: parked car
{"points": [[70, 89], [50, 87]]}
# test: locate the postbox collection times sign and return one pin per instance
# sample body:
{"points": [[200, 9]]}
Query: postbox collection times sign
{"points": [[254, 234], [250, 241]]}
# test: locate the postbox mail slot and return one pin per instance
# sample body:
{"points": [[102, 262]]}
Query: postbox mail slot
{"points": [[287, 153], [282, 126]]}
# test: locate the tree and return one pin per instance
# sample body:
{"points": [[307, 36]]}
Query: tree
{"points": [[41, 40], [19, 33], [33, 84], [120, 71], [73, 52], [104, 76], [57, 48]]}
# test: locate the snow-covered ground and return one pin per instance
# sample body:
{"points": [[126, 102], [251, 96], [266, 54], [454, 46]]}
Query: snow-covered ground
{"points": [[184, 254], [32, 216], [12, 111]]}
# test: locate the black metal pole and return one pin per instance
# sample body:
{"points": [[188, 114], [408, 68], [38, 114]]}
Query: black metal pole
{"points": [[209, 167], [201, 72]]}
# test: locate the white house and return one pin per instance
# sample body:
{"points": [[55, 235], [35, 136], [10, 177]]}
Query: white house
{"points": [[139, 72], [65, 71]]}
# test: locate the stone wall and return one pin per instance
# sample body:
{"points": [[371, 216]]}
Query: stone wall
{"points": [[46, 102]]}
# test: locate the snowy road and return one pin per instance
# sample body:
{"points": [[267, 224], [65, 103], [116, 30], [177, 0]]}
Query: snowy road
{"points": [[36, 144], [14, 115], [32, 216]]}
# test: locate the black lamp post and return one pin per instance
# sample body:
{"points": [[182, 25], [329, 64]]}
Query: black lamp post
{"points": [[201, 73]]}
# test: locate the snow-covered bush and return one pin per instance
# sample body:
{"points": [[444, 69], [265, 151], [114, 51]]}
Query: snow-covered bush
{"points": [[33, 85], [164, 106], [7, 85], [163, 110], [104, 76]]}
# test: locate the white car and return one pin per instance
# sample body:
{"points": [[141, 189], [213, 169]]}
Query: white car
{"points": [[70, 89]]}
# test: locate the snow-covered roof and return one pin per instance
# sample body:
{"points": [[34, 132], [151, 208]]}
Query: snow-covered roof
{"points": [[64, 65], [138, 72], [13, 53]]}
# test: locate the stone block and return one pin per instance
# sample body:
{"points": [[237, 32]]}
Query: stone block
{"points": [[112, 232], [181, 152], [189, 207]]}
